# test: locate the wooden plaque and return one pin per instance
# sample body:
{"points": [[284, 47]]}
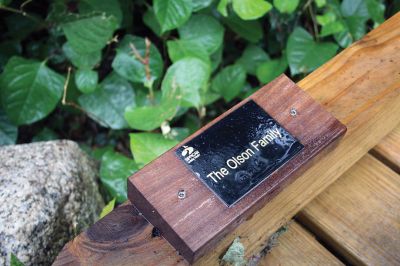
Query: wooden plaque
{"points": [[188, 195]]}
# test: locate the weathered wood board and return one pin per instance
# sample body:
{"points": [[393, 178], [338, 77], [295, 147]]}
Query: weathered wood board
{"points": [[360, 86], [195, 225], [359, 215], [298, 247], [388, 150]]}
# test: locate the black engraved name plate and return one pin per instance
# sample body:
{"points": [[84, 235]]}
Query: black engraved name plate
{"points": [[240, 151]]}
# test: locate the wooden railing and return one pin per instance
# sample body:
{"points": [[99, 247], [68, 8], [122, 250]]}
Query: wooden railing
{"points": [[360, 87]]}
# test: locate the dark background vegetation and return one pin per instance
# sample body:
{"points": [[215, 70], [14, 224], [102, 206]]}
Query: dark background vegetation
{"points": [[130, 79]]}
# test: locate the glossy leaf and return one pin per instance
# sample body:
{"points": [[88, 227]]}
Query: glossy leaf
{"points": [[109, 7], [271, 69], [252, 57], [180, 49], [171, 14], [201, 4], [107, 104], [223, 7], [148, 146], [86, 80], [189, 75], [286, 6], [81, 60], [29, 90], [304, 54], [205, 30], [87, 34], [8, 131], [250, 30], [151, 117], [251, 9], [149, 18], [229, 81], [108, 208], [376, 10], [114, 171], [128, 64]]}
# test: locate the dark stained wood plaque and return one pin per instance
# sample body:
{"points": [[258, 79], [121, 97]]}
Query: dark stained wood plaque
{"points": [[196, 196]]}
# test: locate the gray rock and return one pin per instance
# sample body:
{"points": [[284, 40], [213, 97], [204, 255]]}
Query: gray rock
{"points": [[48, 193]]}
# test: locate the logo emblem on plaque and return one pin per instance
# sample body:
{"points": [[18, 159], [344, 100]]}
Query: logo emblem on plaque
{"points": [[190, 154]]}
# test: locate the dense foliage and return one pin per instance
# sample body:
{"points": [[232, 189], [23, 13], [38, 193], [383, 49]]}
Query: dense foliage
{"points": [[126, 77]]}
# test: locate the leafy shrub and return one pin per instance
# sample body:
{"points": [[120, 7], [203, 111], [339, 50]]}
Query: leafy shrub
{"points": [[121, 75]]}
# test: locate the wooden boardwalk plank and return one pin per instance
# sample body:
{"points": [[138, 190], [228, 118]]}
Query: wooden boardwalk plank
{"points": [[361, 87], [388, 150], [298, 247], [359, 215]]}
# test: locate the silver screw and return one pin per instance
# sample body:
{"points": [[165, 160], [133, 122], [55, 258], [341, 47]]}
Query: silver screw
{"points": [[293, 112], [181, 194]]}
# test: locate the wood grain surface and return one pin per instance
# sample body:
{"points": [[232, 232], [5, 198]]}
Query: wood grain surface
{"points": [[388, 150], [359, 215], [298, 247], [195, 224], [361, 87]]}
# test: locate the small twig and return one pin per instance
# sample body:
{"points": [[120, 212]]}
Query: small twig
{"points": [[146, 62], [314, 22], [74, 105], [21, 12]]}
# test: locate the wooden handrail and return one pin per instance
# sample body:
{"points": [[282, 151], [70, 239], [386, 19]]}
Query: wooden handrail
{"points": [[360, 86]]}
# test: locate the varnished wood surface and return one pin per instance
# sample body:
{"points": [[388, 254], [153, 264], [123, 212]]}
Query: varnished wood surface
{"points": [[195, 224], [360, 86], [359, 215], [298, 247], [388, 150]]}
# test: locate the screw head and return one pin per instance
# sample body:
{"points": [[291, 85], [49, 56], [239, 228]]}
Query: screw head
{"points": [[293, 112], [181, 194]]}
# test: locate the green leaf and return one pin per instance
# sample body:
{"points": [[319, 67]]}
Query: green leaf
{"points": [[81, 60], [229, 81], [180, 49], [304, 54], [286, 6], [8, 131], [250, 30], [151, 117], [376, 10], [357, 8], [269, 70], [332, 28], [107, 104], [201, 4], [128, 64], [14, 261], [86, 80], [205, 30], [223, 7], [44, 135], [109, 7], [29, 90], [190, 76], [150, 20], [108, 208], [87, 34], [251, 9], [178, 133], [115, 169], [326, 18], [148, 146], [172, 14], [216, 58], [252, 57], [320, 3]]}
